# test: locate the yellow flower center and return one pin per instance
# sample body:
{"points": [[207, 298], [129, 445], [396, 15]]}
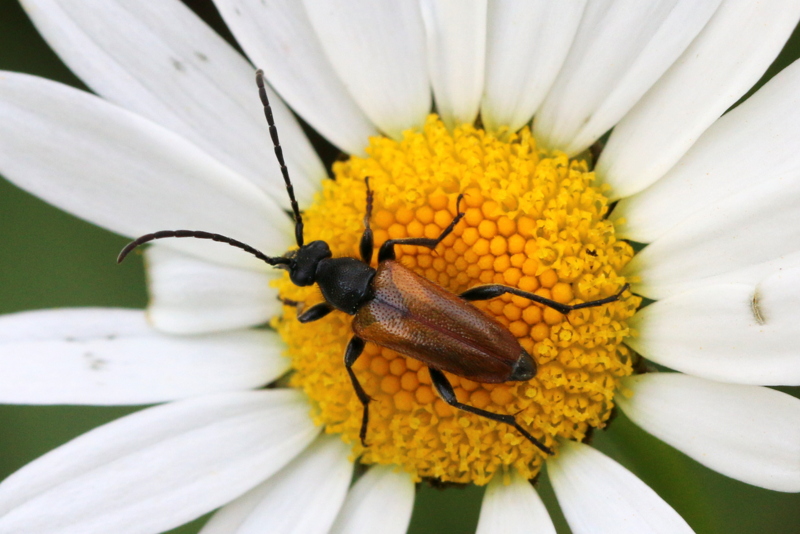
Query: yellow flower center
{"points": [[533, 221]]}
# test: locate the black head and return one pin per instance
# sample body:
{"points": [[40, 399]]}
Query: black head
{"points": [[303, 262]]}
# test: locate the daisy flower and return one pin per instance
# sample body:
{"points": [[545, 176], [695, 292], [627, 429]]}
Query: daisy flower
{"points": [[696, 210]]}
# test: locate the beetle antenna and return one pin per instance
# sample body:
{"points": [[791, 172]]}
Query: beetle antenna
{"points": [[370, 201], [200, 235], [273, 132]]}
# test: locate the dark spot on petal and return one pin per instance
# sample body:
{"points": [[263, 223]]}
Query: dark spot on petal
{"points": [[178, 65], [95, 363], [201, 56], [755, 307]]}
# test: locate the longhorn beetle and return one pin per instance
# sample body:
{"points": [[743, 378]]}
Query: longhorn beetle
{"points": [[396, 308]]}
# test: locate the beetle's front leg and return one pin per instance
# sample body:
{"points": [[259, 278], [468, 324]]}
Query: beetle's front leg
{"points": [[351, 354], [314, 313], [495, 290], [445, 390]]}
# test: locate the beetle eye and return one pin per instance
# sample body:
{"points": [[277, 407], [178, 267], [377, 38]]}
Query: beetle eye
{"points": [[302, 274]]}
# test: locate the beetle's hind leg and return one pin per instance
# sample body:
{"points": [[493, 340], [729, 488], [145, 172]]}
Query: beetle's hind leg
{"points": [[445, 390], [495, 290], [386, 251], [351, 354]]}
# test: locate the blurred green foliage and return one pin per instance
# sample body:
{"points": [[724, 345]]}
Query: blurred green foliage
{"points": [[51, 259]]}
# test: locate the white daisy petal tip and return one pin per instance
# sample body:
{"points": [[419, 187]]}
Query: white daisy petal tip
{"points": [[597, 494], [513, 508], [749, 433]]}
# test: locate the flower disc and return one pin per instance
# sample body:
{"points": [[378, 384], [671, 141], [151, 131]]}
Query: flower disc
{"points": [[533, 221]]}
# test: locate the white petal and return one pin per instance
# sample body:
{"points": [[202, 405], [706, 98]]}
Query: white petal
{"points": [[736, 238], [127, 174], [513, 509], [749, 433], [302, 498], [731, 332], [278, 38], [597, 494], [161, 61], [112, 356], [377, 47], [755, 142], [456, 43], [722, 63], [192, 296], [620, 50], [381, 501], [526, 44], [158, 468]]}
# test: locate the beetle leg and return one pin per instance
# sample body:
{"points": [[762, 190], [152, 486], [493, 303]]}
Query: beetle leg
{"points": [[351, 354], [386, 251], [290, 302], [367, 241], [315, 312], [445, 390], [495, 290]]}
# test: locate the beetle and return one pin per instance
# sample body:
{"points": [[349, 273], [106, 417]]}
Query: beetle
{"points": [[398, 309]]}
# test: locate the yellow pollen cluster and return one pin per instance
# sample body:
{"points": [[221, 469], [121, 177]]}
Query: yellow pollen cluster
{"points": [[533, 221]]}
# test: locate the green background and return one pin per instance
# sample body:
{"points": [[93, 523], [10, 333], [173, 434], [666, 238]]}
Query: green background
{"points": [[49, 259]]}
